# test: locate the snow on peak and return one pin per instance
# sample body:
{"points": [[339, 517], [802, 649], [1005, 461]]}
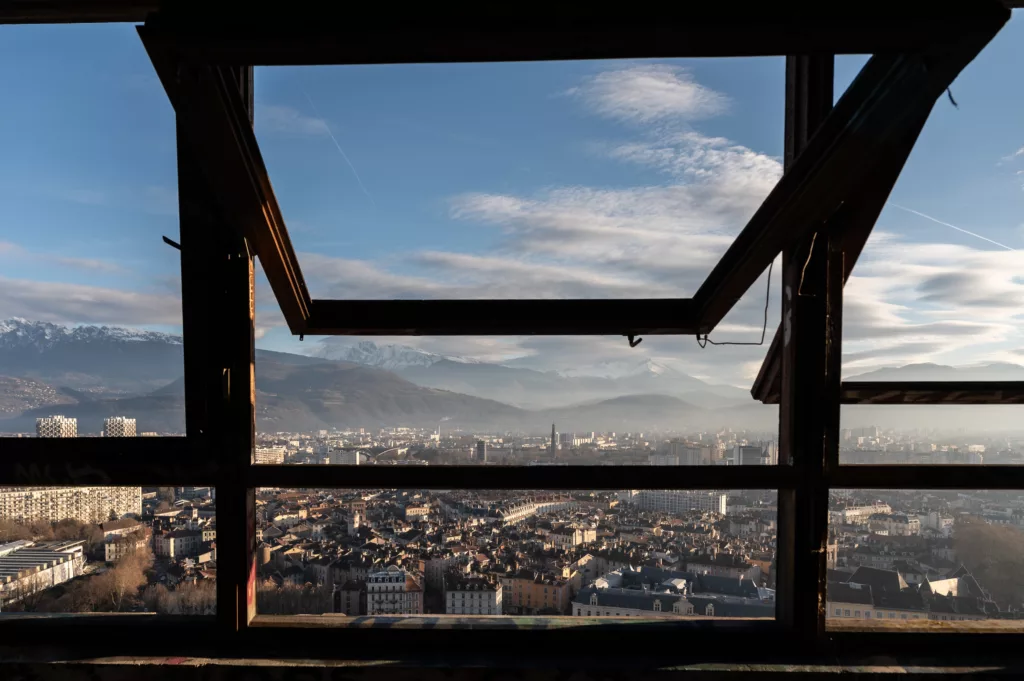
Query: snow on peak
{"points": [[388, 357], [18, 332], [615, 369]]}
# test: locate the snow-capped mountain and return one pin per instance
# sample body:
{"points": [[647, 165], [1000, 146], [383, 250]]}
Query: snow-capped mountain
{"points": [[616, 369], [93, 358], [390, 357], [22, 333]]}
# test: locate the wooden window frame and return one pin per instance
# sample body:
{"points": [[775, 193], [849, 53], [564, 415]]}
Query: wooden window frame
{"points": [[840, 164]]}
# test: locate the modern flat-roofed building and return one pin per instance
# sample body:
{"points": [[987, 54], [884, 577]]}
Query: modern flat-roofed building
{"points": [[56, 426], [118, 426], [27, 568]]}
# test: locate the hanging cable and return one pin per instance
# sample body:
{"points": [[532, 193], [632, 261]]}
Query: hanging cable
{"points": [[704, 342]]}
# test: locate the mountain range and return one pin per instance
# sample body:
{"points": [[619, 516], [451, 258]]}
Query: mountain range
{"points": [[94, 372]]}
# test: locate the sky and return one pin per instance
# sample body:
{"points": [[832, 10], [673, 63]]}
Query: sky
{"points": [[569, 179]]}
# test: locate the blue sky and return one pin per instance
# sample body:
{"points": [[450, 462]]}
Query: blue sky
{"points": [[509, 180]]}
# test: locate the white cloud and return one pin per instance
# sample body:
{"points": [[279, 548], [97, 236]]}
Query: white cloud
{"points": [[285, 119], [649, 93], [76, 303]]}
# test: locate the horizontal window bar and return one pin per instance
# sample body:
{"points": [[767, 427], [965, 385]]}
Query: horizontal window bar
{"points": [[900, 476], [524, 477], [932, 392], [168, 461], [501, 317], [323, 37]]}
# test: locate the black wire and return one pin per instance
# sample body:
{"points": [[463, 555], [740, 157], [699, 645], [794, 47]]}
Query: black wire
{"points": [[704, 342]]}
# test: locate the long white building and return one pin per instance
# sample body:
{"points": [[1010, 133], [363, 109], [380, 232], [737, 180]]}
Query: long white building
{"points": [[52, 504], [269, 455], [56, 426], [679, 501], [118, 426]]}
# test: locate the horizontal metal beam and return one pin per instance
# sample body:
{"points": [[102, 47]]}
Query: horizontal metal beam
{"points": [[75, 11], [886, 100], [330, 36], [932, 392], [215, 122], [522, 477], [105, 461], [903, 476], [501, 317]]}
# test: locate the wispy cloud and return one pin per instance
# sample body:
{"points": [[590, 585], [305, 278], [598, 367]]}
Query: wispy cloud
{"points": [[8, 248], [650, 93], [75, 303]]}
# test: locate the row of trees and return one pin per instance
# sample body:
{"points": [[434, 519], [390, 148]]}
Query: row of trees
{"points": [[289, 599]]}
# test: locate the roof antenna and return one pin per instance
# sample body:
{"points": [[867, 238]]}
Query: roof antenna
{"points": [[172, 243], [634, 343]]}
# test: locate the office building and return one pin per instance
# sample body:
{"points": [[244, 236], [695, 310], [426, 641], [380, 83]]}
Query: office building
{"points": [[481, 451], [56, 426]]}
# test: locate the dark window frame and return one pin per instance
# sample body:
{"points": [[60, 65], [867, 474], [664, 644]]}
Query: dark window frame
{"points": [[830, 189]]}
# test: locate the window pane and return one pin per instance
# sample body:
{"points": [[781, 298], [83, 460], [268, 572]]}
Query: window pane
{"points": [[519, 180], [496, 400], [931, 434], [90, 311], [937, 292], [108, 549], [639, 553], [927, 556]]}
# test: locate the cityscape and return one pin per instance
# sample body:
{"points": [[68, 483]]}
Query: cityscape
{"points": [[892, 555]]}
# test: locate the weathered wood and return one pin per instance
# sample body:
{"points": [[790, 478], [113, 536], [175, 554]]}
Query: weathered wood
{"points": [[803, 407], [106, 461], [932, 392], [218, 330], [852, 225], [886, 100], [218, 124], [488, 34], [501, 317]]}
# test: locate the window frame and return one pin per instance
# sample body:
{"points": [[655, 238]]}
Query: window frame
{"points": [[205, 65]]}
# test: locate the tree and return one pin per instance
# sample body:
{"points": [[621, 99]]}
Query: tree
{"points": [[189, 598], [12, 531], [118, 588], [993, 554]]}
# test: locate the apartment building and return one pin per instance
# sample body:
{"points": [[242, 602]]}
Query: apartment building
{"points": [[52, 504], [679, 501], [56, 426], [118, 426], [269, 455], [179, 543], [533, 593], [471, 595], [393, 592]]}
